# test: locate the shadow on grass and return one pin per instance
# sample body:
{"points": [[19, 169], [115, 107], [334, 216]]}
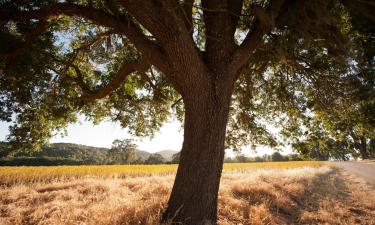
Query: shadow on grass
{"points": [[320, 199]]}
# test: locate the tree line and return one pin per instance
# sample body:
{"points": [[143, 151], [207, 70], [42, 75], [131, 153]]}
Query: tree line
{"points": [[122, 152], [74, 154]]}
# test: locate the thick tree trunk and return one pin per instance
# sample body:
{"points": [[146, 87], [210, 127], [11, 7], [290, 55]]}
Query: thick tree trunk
{"points": [[194, 195], [361, 145], [363, 148]]}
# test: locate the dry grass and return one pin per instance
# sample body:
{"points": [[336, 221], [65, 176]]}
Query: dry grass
{"points": [[305, 195]]}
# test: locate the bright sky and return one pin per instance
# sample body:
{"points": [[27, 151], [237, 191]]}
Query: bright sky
{"points": [[102, 135], [170, 137]]}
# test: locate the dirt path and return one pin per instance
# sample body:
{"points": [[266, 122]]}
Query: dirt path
{"points": [[364, 170]]}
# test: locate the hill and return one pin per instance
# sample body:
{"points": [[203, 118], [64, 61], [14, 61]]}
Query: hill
{"points": [[68, 153], [167, 154], [142, 154]]}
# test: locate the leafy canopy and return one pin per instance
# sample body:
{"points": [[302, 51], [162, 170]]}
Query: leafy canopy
{"points": [[60, 59]]}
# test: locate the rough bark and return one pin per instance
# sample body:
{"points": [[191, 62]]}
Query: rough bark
{"points": [[363, 148], [194, 195]]}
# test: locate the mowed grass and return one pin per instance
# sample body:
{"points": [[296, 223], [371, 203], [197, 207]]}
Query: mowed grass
{"points": [[36, 174]]}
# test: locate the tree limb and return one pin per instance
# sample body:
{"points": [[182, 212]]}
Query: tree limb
{"points": [[162, 20], [220, 19], [121, 24], [29, 40], [187, 14], [176, 102], [253, 39], [122, 74]]}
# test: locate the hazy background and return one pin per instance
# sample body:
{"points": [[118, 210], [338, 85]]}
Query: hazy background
{"points": [[170, 137]]}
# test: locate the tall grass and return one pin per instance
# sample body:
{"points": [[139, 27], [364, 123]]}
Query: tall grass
{"points": [[36, 174]]}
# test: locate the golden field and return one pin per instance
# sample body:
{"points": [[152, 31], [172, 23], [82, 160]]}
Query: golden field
{"points": [[32, 174], [250, 194]]}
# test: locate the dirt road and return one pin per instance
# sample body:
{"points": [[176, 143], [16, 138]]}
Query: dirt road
{"points": [[364, 170]]}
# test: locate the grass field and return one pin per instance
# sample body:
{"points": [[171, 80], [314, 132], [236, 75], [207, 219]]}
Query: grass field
{"points": [[34, 174], [250, 194]]}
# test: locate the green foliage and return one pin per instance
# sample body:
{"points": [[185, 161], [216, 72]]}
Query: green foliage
{"points": [[242, 158], [294, 157], [274, 157], [5, 149], [74, 154], [317, 63], [40, 88], [63, 151], [277, 157], [258, 159], [155, 159], [122, 152], [176, 158], [344, 126], [39, 161]]}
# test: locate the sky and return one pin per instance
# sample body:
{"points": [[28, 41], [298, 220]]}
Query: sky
{"points": [[102, 135], [170, 137]]}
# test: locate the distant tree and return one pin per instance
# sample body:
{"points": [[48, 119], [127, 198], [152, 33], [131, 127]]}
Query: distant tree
{"points": [[122, 152], [258, 159], [139, 160], [294, 157], [80, 154], [229, 160], [241, 158], [346, 122], [277, 157], [176, 158], [5, 149], [155, 159], [267, 158], [372, 147]]}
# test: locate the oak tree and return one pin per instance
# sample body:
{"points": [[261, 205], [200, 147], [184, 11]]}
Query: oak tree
{"points": [[343, 126], [155, 159], [219, 65], [122, 152]]}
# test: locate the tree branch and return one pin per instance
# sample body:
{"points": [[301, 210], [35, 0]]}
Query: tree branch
{"points": [[79, 80], [187, 14], [176, 102], [29, 40], [220, 18], [122, 24], [162, 20], [115, 83], [265, 20]]}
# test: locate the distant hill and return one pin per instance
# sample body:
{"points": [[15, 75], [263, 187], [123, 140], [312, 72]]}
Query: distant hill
{"points": [[77, 152], [142, 154], [167, 154], [81, 154]]}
